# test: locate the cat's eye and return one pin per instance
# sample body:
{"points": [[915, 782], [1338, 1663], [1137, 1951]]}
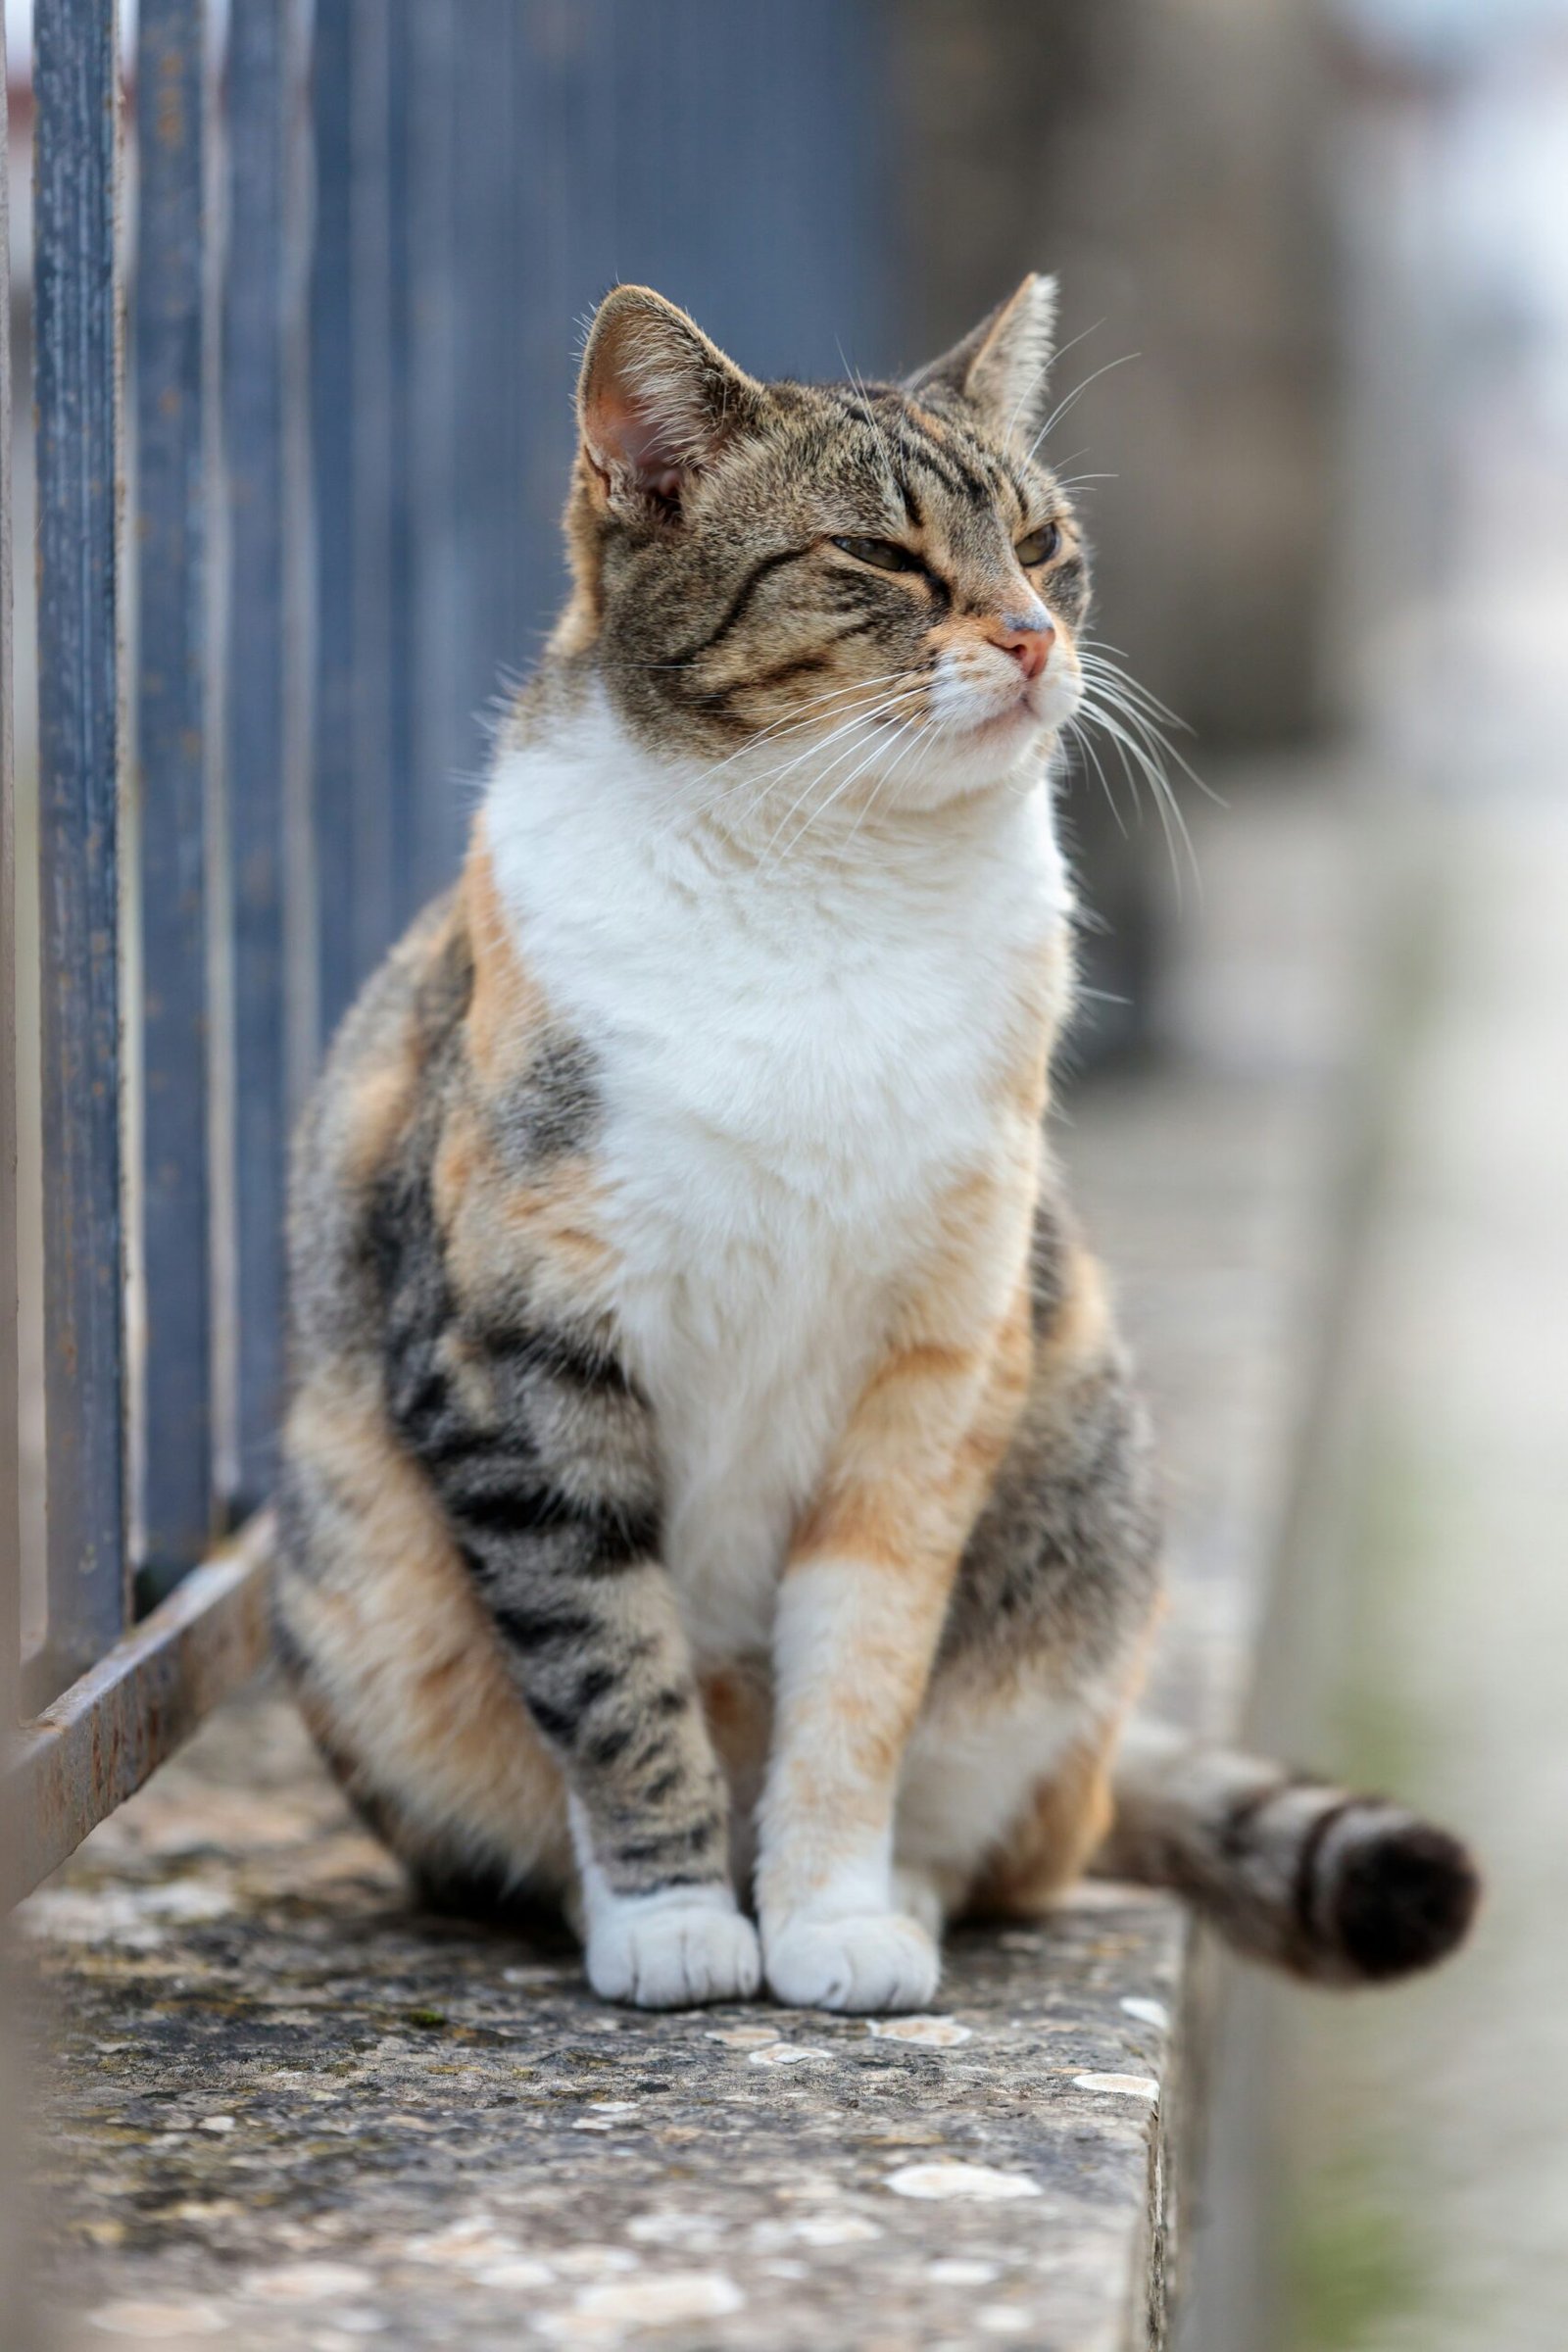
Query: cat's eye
{"points": [[885, 554], [1039, 547]]}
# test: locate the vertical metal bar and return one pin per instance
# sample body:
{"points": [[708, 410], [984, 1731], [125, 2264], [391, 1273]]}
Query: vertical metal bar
{"points": [[171, 761], [332, 456], [563, 260], [490, 287], [440, 718], [78, 381], [405, 459], [365, 467], [301, 905], [371, 910], [9, 1449], [255, 322]]}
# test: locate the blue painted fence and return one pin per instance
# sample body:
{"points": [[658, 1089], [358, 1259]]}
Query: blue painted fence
{"points": [[366, 237]]}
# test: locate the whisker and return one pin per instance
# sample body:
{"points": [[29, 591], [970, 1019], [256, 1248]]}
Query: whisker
{"points": [[925, 728], [1118, 690], [1051, 359], [846, 725], [1062, 406], [757, 787], [815, 815], [1099, 647], [1166, 802], [838, 790], [1086, 744], [870, 417], [792, 724]]}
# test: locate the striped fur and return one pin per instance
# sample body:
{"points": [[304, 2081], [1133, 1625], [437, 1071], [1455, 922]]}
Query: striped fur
{"points": [[1341, 1888], [713, 1500]]}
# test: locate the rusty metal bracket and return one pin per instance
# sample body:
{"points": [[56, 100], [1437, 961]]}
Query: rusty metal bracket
{"points": [[101, 1738]]}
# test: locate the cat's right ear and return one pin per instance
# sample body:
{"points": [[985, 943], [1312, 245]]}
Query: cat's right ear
{"points": [[657, 402], [1001, 368]]}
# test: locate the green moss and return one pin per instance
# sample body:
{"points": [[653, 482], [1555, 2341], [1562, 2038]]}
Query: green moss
{"points": [[1351, 2263], [1379, 1738], [429, 2021]]}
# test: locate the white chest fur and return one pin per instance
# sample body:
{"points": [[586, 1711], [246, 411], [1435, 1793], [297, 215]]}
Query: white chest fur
{"points": [[799, 1050]]}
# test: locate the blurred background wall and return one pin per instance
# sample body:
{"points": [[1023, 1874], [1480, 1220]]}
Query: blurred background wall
{"points": [[1167, 160]]}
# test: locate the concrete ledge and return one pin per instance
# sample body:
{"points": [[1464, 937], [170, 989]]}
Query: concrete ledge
{"points": [[284, 2110]]}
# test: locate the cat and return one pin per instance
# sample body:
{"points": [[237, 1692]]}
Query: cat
{"points": [[713, 1500]]}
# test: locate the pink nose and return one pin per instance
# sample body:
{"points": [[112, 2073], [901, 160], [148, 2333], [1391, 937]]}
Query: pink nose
{"points": [[1028, 638]]}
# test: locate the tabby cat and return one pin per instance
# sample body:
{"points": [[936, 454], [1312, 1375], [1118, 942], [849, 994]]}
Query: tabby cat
{"points": [[714, 1501]]}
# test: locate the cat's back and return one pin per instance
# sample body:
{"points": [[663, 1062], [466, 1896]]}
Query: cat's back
{"points": [[370, 1122]]}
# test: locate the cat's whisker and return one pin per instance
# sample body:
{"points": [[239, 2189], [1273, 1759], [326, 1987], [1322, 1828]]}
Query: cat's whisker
{"points": [[1053, 359], [1077, 392], [805, 717], [1144, 712], [918, 734], [867, 716], [1100, 662], [782, 730], [1101, 647], [845, 782], [1166, 802], [1085, 743], [758, 786], [1103, 705], [1123, 694], [871, 417], [841, 787]]}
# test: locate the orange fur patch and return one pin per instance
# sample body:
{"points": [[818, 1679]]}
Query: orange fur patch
{"points": [[506, 1008], [1080, 1330], [405, 1673], [1066, 1821]]}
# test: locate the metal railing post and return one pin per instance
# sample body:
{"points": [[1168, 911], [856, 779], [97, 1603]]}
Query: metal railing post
{"points": [[81, 738], [174, 469], [259, 291], [9, 1434]]}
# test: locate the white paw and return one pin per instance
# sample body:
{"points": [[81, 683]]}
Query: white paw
{"points": [[675, 1950], [875, 1961]]}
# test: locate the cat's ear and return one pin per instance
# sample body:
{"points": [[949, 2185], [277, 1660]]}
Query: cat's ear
{"points": [[656, 402], [1001, 369]]}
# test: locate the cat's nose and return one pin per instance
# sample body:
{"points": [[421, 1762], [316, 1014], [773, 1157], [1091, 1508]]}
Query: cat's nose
{"points": [[1027, 636]]}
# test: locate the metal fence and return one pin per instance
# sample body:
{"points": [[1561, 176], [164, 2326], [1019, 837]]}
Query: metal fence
{"points": [[303, 295]]}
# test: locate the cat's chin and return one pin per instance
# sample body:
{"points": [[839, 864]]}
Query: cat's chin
{"points": [[1001, 750]]}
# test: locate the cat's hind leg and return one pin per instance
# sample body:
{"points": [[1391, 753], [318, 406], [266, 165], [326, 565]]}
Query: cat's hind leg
{"points": [[1004, 1799], [397, 1670]]}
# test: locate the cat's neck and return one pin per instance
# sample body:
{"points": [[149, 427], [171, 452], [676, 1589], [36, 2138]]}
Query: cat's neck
{"points": [[921, 948], [775, 822]]}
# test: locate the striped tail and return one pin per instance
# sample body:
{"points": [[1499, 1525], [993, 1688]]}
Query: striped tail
{"points": [[1340, 1888]]}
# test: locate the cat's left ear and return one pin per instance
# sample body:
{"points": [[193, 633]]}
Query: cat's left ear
{"points": [[656, 402], [1001, 369]]}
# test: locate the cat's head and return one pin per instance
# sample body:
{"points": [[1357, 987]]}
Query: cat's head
{"points": [[886, 575]]}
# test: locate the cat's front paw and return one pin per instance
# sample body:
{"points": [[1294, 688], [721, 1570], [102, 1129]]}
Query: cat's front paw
{"points": [[870, 1962], [675, 1950]]}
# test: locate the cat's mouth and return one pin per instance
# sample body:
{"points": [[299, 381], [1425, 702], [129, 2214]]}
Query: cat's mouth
{"points": [[1025, 714]]}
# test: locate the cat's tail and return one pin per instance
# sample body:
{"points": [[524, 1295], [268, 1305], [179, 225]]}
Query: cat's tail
{"points": [[1341, 1888]]}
